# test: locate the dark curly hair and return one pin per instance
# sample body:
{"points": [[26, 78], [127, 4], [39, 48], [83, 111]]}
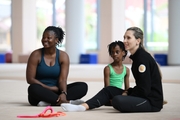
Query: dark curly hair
{"points": [[120, 44], [58, 32]]}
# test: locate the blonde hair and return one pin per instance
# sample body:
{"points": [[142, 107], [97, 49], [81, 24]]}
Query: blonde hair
{"points": [[138, 33]]}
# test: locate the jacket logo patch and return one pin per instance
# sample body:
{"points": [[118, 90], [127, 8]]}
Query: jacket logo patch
{"points": [[142, 68]]}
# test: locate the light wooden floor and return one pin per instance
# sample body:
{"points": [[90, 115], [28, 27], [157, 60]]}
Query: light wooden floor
{"points": [[13, 91]]}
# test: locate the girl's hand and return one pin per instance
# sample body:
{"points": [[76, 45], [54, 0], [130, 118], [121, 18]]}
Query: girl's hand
{"points": [[125, 93]]}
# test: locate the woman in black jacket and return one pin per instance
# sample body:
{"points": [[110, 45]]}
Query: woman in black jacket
{"points": [[147, 94]]}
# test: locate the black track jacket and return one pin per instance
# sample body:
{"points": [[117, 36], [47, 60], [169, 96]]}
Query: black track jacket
{"points": [[147, 78]]}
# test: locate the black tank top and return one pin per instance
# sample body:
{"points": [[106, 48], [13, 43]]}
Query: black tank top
{"points": [[48, 74]]}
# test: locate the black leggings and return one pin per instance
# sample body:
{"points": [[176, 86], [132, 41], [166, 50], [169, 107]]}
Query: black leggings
{"points": [[103, 97], [131, 104], [119, 102], [37, 93]]}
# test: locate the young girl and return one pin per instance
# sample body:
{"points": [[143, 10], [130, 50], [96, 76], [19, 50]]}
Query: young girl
{"points": [[115, 74]]}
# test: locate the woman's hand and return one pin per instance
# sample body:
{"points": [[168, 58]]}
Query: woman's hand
{"points": [[54, 88], [61, 99]]}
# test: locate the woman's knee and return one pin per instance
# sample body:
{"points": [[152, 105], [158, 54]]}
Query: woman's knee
{"points": [[33, 87], [84, 86], [118, 102]]}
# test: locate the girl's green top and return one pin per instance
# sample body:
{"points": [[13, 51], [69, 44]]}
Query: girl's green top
{"points": [[117, 80]]}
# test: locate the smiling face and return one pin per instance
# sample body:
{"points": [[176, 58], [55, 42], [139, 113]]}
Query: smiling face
{"points": [[49, 39], [130, 42]]}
